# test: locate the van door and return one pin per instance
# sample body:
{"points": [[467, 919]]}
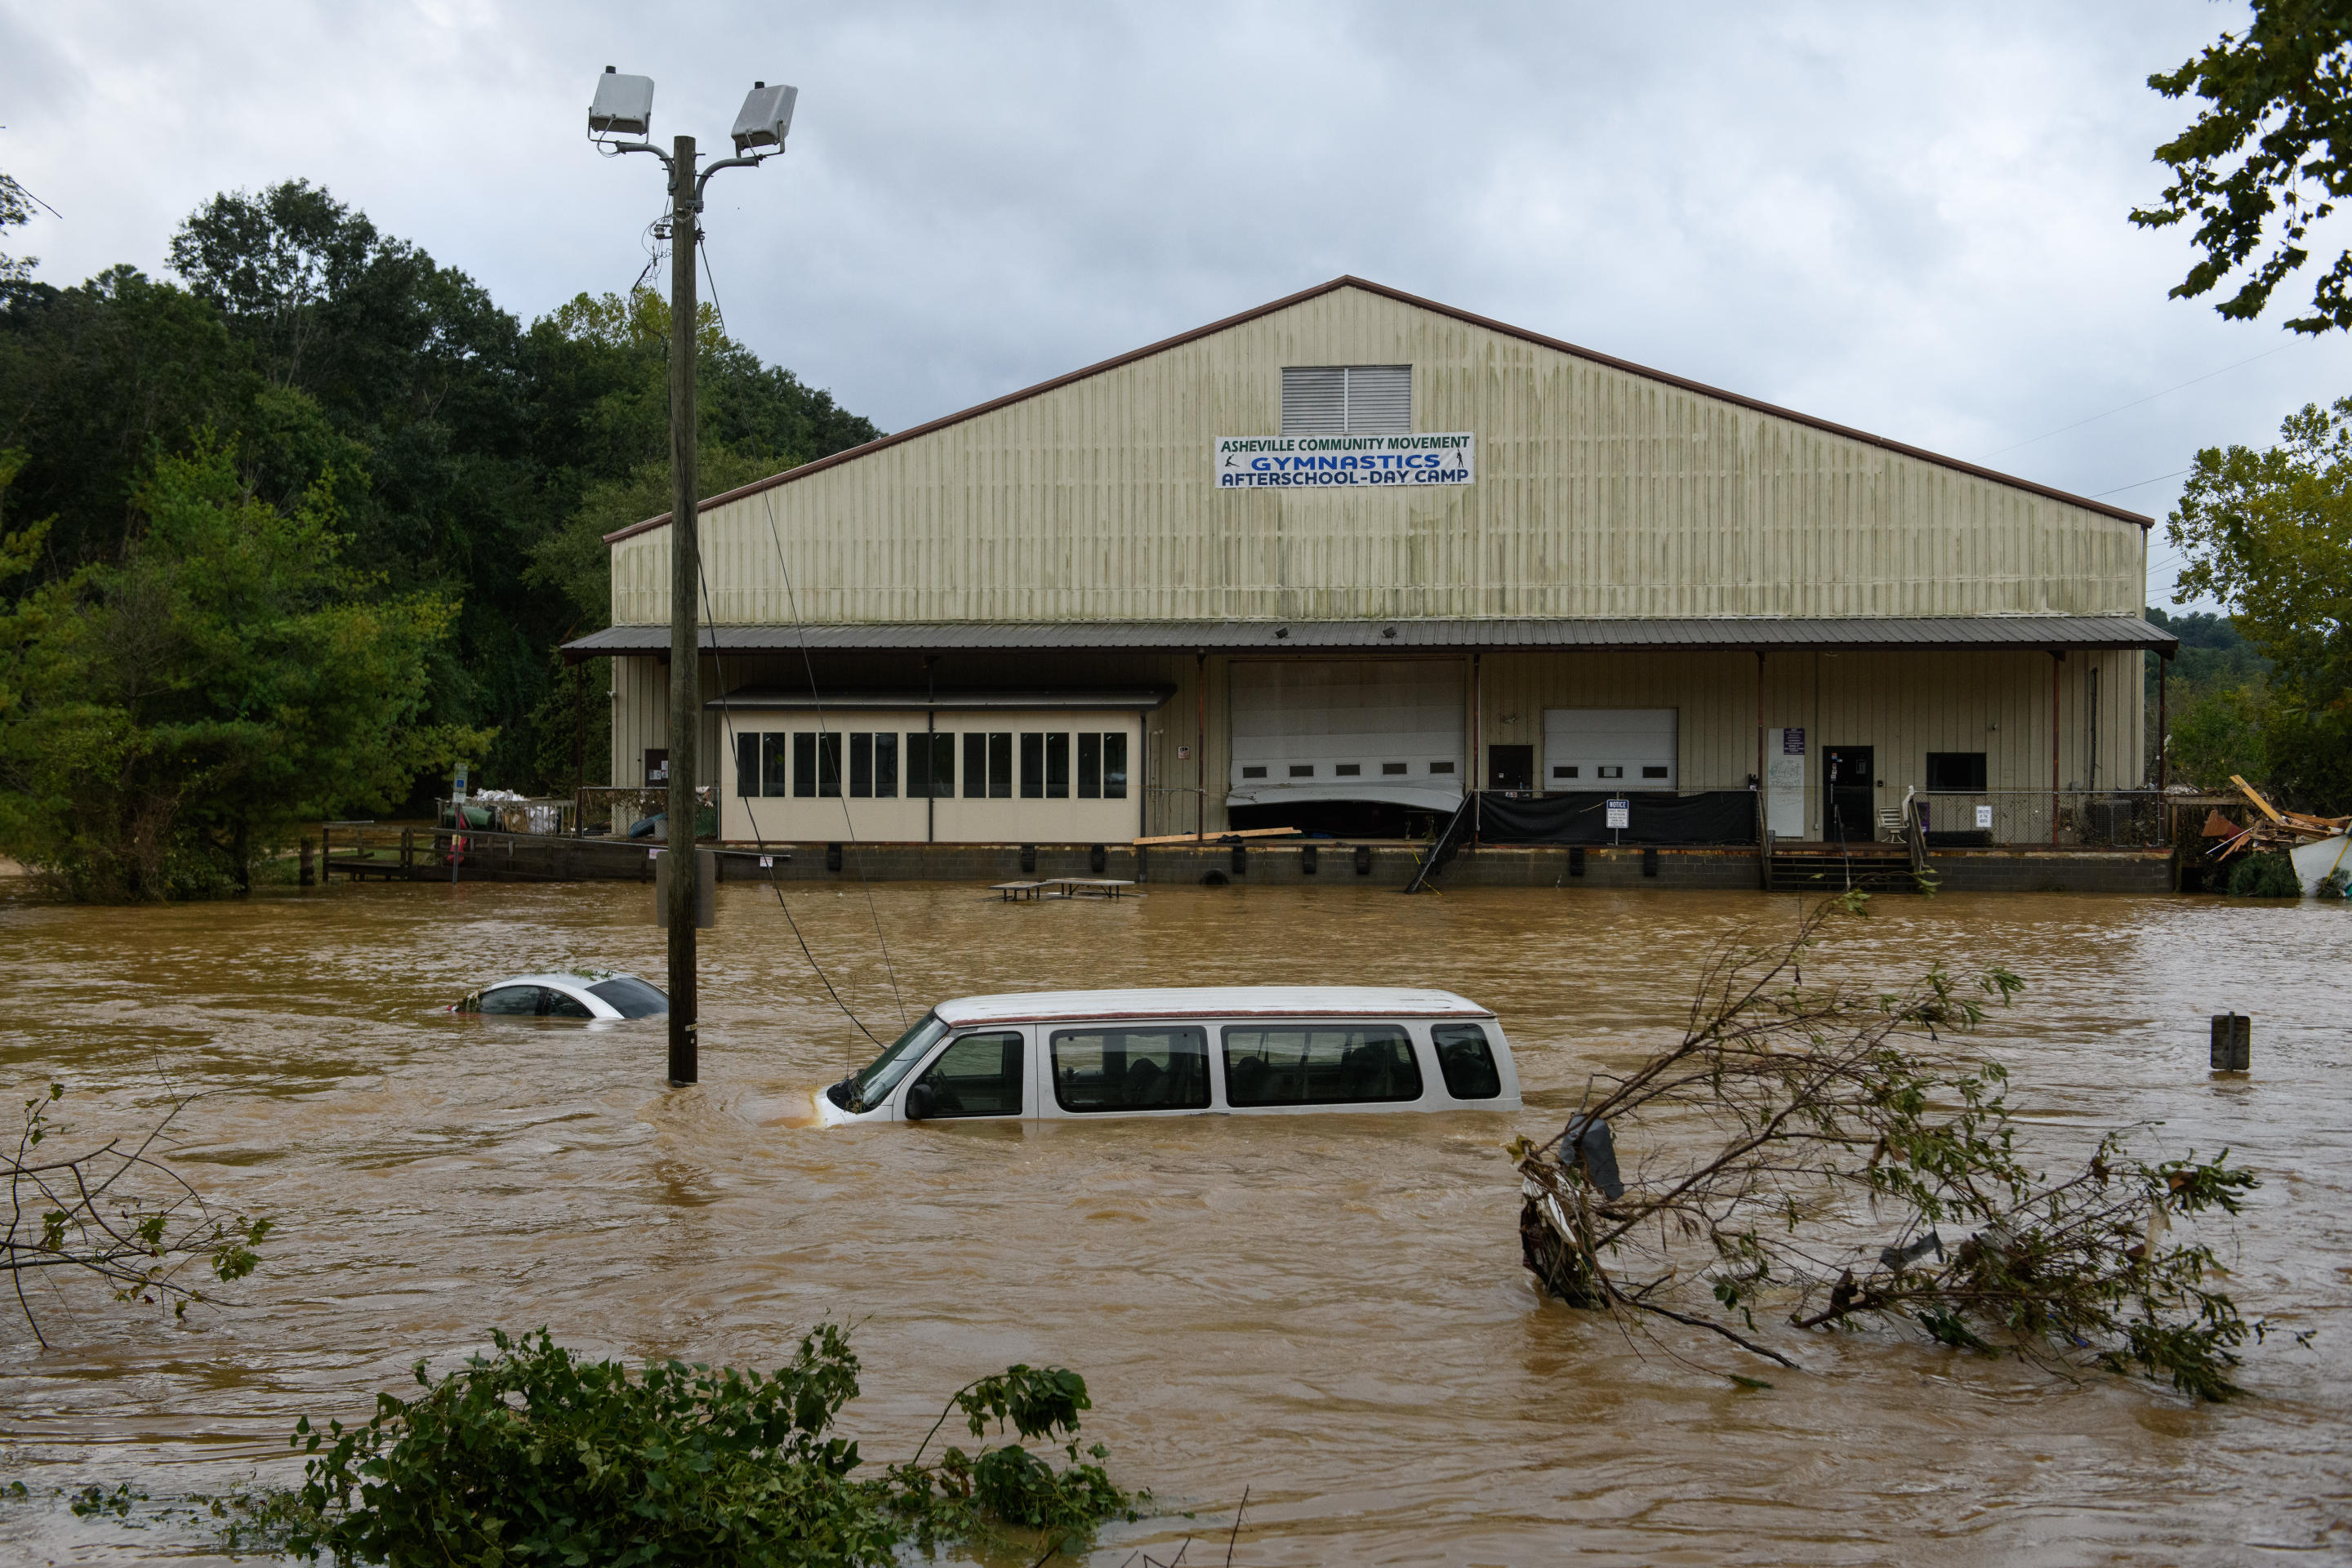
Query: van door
{"points": [[983, 1073]]}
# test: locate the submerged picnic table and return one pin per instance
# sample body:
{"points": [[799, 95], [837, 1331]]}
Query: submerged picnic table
{"points": [[1058, 887]]}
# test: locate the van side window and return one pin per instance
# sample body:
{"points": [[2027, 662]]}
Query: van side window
{"points": [[1466, 1060], [1131, 1070], [1341, 1064], [979, 1075]]}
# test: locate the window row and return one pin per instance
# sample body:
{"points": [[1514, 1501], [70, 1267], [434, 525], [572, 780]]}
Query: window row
{"points": [[1167, 1068], [807, 764], [1608, 771], [1341, 770]]}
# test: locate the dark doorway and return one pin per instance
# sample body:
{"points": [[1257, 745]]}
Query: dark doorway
{"points": [[657, 765], [1510, 767], [1851, 804]]}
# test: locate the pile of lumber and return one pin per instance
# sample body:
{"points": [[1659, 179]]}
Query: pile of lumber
{"points": [[2274, 828]]}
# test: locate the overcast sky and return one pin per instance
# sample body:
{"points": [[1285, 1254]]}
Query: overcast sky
{"points": [[1909, 220]]}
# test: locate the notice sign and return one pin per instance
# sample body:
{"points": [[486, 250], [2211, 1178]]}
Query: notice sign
{"points": [[1984, 817], [1621, 814], [1343, 462]]}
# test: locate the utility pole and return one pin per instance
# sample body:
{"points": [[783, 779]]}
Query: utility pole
{"points": [[623, 106], [685, 637]]}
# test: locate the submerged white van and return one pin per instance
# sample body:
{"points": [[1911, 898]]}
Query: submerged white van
{"points": [[1248, 1050]]}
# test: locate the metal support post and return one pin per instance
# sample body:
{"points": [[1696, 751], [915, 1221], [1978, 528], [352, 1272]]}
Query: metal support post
{"points": [[1201, 745], [685, 642], [2057, 668]]}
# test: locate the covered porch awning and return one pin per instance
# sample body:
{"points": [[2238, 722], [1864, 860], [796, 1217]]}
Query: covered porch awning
{"points": [[1142, 700], [1724, 634]]}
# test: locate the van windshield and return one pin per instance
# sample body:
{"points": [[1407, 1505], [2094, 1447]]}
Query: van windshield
{"points": [[868, 1087]]}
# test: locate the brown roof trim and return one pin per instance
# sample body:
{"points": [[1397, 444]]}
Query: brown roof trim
{"points": [[1414, 637], [1505, 328]]}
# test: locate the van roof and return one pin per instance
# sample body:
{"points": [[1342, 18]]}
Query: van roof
{"points": [[1209, 1000]]}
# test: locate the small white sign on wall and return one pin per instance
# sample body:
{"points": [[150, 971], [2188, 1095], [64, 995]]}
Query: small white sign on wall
{"points": [[1984, 817], [1621, 814]]}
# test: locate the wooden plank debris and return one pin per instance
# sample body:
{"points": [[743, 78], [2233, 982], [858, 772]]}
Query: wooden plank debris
{"points": [[2286, 830], [1224, 838]]}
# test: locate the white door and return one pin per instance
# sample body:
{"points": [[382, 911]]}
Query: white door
{"points": [[1611, 749], [1784, 782], [1385, 729]]}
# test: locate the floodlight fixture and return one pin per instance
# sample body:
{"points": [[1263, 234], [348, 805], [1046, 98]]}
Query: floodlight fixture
{"points": [[766, 117], [623, 106]]}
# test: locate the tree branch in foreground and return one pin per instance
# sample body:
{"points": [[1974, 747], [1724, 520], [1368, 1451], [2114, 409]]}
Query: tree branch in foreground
{"points": [[116, 1212], [1815, 1150]]}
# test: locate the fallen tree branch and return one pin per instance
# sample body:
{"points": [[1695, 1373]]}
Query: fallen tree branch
{"points": [[1807, 1148], [118, 1215]]}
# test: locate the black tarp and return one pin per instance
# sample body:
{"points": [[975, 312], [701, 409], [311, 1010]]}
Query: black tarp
{"points": [[1716, 817]]}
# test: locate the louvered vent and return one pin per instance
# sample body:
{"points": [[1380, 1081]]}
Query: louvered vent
{"points": [[1347, 399]]}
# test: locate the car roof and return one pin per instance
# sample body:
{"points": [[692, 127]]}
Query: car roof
{"points": [[577, 979], [1210, 1001]]}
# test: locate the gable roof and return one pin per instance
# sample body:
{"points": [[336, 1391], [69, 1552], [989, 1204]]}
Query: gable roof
{"points": [[1504, 328]]}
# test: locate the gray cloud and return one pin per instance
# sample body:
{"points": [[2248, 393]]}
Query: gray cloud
{"points": [[1909, 220]]}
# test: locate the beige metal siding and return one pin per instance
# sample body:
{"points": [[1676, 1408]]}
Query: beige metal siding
{"points": [[1600, 493], [1901, 705]]}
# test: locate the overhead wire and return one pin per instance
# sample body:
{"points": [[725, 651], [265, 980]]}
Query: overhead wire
{"points": [[656, 234], [719, 662], [2134, 403], [2139, 485], [816, 698]]}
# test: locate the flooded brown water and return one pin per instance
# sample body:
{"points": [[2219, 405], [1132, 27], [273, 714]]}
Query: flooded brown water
{"points": [[1328, 1311]]}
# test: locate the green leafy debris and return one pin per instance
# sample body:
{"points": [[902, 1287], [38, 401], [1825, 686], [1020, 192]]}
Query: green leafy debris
{"points": [[534, 1454]]}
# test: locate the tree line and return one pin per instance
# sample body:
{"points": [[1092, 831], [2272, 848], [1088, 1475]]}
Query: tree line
{"points": [[285, 533]]}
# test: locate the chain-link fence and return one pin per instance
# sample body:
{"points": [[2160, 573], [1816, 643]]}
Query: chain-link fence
{"points": [[2106, 819]]}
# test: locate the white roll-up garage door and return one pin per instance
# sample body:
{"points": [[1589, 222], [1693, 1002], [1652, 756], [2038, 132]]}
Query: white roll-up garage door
{"points": [[1383, 730], [1609, 748]]}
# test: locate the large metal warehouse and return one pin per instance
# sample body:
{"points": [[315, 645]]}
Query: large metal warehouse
{"points": [[1332, 562]]}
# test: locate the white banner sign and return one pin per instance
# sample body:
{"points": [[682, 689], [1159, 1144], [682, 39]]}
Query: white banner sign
{"points": [[1328, 462]]}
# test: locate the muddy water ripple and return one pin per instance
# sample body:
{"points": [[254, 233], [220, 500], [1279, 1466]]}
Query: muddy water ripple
{"points": [[1328, 1310]]}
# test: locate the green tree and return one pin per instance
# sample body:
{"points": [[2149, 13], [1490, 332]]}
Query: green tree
{"points": [[2220, 733], [573, 566], [95, 380], [2271, 146], [2270, 537], [2269, 534], [15, 211], [2218, 688], [168, 718], [462, 444]]}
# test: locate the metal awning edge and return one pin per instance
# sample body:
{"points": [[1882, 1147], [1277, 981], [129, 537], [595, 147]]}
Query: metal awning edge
{"points": [[1053, 700], [1730, 633]]}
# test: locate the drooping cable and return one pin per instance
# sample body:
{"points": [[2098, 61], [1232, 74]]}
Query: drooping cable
{"points": [[719, 662], [816, 698]]}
